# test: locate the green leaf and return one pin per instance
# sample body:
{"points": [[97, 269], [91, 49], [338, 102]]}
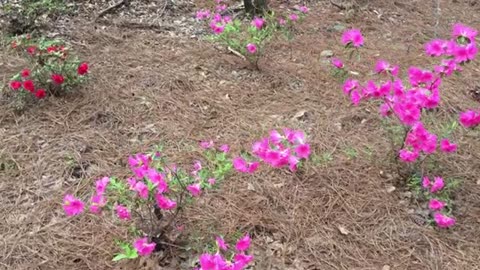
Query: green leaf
{"points": [[119, 257]]}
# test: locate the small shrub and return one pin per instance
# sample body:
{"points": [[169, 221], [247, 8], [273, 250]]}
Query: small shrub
{"points": [[248, 38], [408, 102], [22, 16], [53, 69]]}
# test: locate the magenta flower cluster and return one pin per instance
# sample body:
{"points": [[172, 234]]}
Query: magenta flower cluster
{"points": [[423, 94], [278, 150], [217, 261]]}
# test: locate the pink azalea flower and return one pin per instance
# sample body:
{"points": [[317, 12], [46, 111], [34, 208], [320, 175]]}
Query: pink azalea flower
{"points": [[141, 189], [303, 151], [221, 243], [435, 204], [97, 202], [443, 221], [437, 185], [469, 119], [206, 144], [408, 156], [418, 76], [243, 243], [293, 163], [275, 137], [122, 212], [251, 48], [131, 183], [447, 147], [195, 189], [384, 67], [337, 63], [408, 113], [242, 165], [436, 47], [143, 247], [282, 21], [101, 185], [72, 206], [213, 262], [293, 17], [225, 148], [158, 179], [203, 14], [355, 97], [212, 181], [430, 144], [350, 85], [241, 260], [217, 27], [258, 23], [465, 53], [221, 8], [426, 182], [303, 9], [164, 202], [354, 37], [460, 30]]}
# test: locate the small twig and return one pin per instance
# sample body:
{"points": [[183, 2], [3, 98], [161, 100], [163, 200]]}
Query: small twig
{"points": [[236, 53], [111, 9], [337, 5]]}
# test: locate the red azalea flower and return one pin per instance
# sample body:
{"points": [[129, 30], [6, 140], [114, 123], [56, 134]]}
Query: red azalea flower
{"points": [[15, 85], [82, 68], [57, 78], [40, 93], [14, 44], [52, 49], [25, 73], [31, 50], [29, 86]]}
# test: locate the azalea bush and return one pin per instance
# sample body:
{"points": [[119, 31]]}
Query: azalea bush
{"points": [[22, 16], [248, 38], [53, 69], [408, 103], [152, 200]]}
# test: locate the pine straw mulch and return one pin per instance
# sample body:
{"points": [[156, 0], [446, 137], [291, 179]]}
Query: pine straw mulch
{"points": [[150, 88]]}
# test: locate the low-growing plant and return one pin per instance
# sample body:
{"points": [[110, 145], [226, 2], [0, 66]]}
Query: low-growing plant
{"points": [[153, 199], [53, 69], [22, 16], [409, 106], [248, 38]]}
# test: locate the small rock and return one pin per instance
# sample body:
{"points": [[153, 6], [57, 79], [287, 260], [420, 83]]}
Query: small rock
{"points": [[339, 27], [300, 115], [343, 230], [250, 187], [391, 189], [407, 194], [410, 211], [326, 53], [386, 267], [478, 182]]}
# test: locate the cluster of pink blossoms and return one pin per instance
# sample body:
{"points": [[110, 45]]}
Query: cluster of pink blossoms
{"points": [[219, 22], [278, 150], [218, 262], [408, 103], [436, 205]]}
